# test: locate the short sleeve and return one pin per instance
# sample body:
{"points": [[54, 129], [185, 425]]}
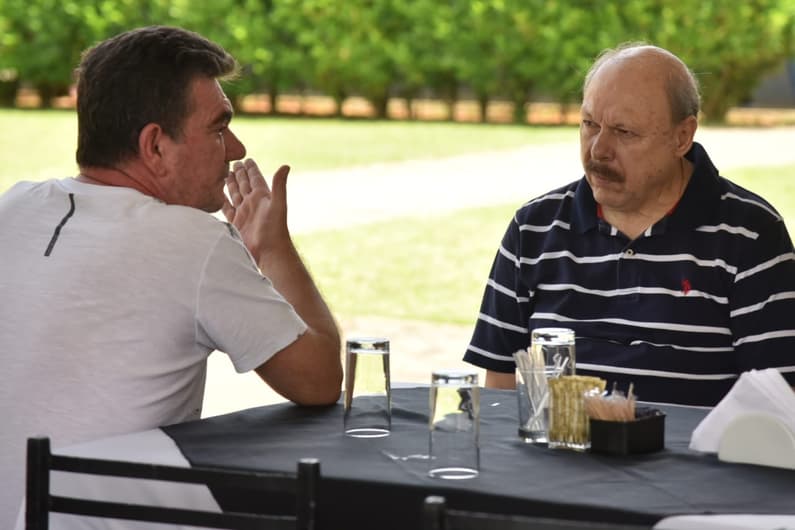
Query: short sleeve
{"points": [[238, 311]]}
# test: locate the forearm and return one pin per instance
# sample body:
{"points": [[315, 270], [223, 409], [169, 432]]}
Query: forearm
{"points": [[500, 380], [291, 278], [308, 371], [318, 358]]}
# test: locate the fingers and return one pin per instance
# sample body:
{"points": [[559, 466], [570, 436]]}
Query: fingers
{"points": [[234, 189], [246, 177], [228, 210], [242, 178], [255, 178], [279, 184]]}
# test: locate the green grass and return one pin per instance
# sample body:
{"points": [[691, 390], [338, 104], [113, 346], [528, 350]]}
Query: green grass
{"points": [[35, 145], [424, 268], [321, 144], [775, 184], [429, 268]]}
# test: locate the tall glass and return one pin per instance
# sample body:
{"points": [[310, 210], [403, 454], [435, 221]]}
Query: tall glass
{"points": [[454, 423], [368, 397]]}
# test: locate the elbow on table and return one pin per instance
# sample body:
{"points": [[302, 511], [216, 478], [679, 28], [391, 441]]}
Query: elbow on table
{"points": [[328, 395], [308, 371], [312, 386]]}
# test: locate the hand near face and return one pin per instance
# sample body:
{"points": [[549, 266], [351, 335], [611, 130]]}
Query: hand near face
{"points": [[258, 211]]}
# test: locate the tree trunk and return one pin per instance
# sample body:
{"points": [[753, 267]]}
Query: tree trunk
{"points": [[483, 105], [339, 98], [519, 109]]}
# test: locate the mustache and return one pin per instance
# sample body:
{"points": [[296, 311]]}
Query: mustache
{"points": [[603, 170]]}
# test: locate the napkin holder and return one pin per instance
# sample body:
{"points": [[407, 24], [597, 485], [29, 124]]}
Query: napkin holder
{"points": [[757, 438]]}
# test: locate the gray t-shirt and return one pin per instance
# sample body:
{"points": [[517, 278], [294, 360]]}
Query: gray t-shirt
{"points": [[111, 303]]}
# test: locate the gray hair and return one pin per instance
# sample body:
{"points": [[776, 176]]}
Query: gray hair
{"points": [[681, 86]]}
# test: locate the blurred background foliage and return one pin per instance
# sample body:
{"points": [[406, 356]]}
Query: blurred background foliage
{"points": [[514, 51]]}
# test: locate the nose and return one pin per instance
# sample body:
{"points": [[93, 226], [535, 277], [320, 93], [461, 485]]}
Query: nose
{"points": [[235, 150], [601, 145]]}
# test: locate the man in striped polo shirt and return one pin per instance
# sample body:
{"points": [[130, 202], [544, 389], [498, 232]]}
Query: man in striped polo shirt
{"points": [[672, 277]]}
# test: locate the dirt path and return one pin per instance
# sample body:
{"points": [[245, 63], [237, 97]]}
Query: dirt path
{"points": [[477, 179]]}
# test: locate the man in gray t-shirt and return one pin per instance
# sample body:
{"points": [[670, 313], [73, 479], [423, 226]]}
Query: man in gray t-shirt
{"points": [[117, 284]]}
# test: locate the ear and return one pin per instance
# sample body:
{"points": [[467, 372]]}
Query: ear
{"points": [[150, 151], [685, 132]]}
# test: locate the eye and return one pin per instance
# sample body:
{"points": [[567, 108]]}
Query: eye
{"points": [[626, 133]]}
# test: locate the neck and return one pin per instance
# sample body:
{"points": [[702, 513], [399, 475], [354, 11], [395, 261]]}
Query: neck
{"points": [[634, 223], [116, 176]]}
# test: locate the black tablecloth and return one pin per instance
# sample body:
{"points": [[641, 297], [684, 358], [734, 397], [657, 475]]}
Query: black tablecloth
{"points": [[381, 482]]}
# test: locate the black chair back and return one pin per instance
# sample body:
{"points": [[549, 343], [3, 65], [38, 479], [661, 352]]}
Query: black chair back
{"points": [[437, 516], [40, 502]]}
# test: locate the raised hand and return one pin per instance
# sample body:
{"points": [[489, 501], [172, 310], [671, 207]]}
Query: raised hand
{"points": [[258, 211]]}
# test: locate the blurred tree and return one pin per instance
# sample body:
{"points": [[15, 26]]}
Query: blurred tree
{"points": [[434, 43], [515, 49], [9, 75], [380, 27], [325, 34], [730, 46], [263, 35], [42, 41], [481, 65], [572, 33], [352, 49]]}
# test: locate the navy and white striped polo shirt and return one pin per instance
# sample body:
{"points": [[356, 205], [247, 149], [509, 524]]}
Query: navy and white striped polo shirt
{"points": [[706, 293]]}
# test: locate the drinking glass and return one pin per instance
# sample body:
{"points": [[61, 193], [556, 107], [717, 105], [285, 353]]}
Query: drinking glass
{"points": [[556, 346], [368, 398], [532, 392], [454, 423]]}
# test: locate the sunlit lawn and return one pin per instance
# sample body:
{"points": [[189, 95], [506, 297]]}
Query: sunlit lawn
{"points": [[35, 144], [422, 267]]}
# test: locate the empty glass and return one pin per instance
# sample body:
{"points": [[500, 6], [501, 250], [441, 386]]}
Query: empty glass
{"points": [[454, 423], [368, 399]]}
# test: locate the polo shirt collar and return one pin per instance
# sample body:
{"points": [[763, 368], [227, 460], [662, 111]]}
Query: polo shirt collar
{"points": [[697, 206]]}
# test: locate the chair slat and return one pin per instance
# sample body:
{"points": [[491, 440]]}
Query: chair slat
{"points": [[438, 516], [253, 480], [160, 514], [303, 485]]}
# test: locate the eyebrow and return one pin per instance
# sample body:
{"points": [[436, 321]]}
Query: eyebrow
{"points": [[223, 117]]}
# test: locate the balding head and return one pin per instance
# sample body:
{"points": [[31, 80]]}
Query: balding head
{"points": [[679, 82]]}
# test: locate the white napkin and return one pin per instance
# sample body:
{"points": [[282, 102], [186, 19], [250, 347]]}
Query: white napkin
{"points": [[759, 391]]}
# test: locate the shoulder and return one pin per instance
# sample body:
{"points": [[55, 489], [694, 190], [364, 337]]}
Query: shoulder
{"points": [[25, 188], [556, 204], [742, 206]]}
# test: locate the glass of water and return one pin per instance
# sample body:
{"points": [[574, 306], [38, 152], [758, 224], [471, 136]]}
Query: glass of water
{"points": [[368, 398]]}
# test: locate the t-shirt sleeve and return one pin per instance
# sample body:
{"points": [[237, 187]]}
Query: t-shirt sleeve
{"points": [[501, 327], [763, 304], [238, 310]]}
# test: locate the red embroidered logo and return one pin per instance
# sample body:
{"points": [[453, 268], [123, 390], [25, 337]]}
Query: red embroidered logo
{"points": [[686, 286]]}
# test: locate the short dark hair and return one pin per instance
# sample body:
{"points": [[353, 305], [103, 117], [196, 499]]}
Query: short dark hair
{"points": [[135, 78]]}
